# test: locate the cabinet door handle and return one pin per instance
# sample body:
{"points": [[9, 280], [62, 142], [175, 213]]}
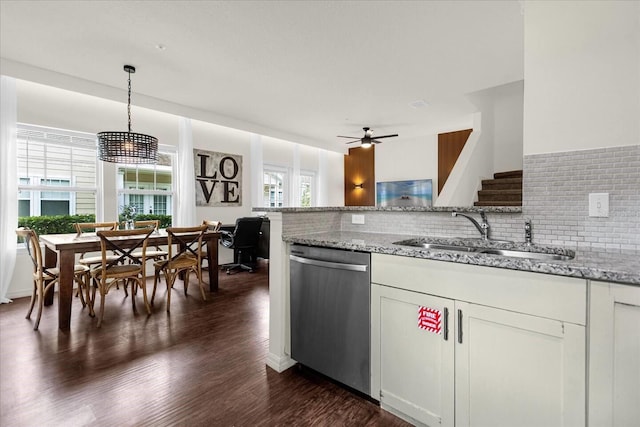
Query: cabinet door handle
{"points": [[460, 326], [446, 324]]}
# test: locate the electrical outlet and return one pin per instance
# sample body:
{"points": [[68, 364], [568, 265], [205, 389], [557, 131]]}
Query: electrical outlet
{"points": [[599, 204], [357, 219]]}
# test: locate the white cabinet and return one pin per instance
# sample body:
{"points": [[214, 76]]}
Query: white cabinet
{"points": [[614, 355], [515, 369], [514, 353], [415, 365]]}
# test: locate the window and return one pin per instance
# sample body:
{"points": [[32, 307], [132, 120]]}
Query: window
{"points": [[160, 205], [306, 185], [56, 172], [274, 187], [149, 188]]}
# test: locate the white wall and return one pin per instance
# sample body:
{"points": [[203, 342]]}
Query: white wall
{"points": [[207, 136], [582, 75], [407, 159], [508, 127]]}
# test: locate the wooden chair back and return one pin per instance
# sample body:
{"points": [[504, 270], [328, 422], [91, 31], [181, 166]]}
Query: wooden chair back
{"points": [[86, 227], [32, 243], [152, 223], [212, 225], [123, 243], [188, 241]]}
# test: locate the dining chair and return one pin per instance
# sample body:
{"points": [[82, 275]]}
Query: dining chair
{"points": [[86, 227], [45, 278], [185, 258], [214, 227], [124, 268], [157, 253]]}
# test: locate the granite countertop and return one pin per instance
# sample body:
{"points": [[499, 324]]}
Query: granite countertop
{"points": [[488, 209], [621, 266]]}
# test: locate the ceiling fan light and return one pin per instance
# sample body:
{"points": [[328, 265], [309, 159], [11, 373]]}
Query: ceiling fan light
{"points": [[366, 144]]}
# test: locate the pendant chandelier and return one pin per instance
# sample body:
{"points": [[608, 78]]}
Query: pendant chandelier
{"points": [[127, 147]]}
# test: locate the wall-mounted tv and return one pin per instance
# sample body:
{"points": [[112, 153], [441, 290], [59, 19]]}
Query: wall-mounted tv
{"points": [[404, 193]]}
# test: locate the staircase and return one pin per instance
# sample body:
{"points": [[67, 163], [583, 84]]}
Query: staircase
{"points": [[505, 189]]}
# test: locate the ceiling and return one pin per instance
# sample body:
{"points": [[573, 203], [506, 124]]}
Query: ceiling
{"points": [[303, 71]]}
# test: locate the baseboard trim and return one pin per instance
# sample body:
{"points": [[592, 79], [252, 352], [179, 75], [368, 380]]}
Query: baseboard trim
{"points": [[278, 363]]}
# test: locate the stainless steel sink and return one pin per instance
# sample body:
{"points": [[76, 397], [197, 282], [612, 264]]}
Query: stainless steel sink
{"points": [[528, 254], [440, 247], [542, 256]]}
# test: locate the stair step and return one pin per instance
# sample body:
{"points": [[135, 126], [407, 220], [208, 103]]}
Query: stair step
{"points": [[505, 189], [502, 184], [508, 174], [498, 203], [506, 195]]}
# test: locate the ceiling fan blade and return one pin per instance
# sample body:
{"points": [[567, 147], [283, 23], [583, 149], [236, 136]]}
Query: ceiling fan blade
{"points": [[386, 136], [375, 141], [351, 137], [351, 142]]}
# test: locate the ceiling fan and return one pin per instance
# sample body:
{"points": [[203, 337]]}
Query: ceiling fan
{"points": [[368, 139]]}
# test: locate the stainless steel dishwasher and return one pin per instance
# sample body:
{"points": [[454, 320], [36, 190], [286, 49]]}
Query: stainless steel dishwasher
{"points": [[330, 313]]}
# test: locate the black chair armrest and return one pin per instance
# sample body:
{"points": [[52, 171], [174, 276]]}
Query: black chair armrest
{"points": [[226, 238]]}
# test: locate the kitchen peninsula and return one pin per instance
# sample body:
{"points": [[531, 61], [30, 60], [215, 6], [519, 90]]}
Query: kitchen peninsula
{"points": [[548, 321]]}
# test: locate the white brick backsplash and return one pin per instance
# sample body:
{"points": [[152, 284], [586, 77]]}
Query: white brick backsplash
{"points": [[556, 192]]}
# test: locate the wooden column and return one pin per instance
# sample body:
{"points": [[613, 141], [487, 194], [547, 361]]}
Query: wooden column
{"points": [[359, 170], [450, 146]]}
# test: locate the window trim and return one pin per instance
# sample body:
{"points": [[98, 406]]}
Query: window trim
{"points": [[312, 187], [271, 168]]}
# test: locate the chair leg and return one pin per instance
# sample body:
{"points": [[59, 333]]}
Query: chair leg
{"points": [[186, 281], [155, 283], [34, 295], [42, 290], [93, 285], [80, 281], [133, 292], [201, 283], [144, 294], [40, 304], [170, 278], [102, 297]]}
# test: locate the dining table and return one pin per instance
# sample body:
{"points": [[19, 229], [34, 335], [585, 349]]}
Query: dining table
{"points": [[61, 250]]}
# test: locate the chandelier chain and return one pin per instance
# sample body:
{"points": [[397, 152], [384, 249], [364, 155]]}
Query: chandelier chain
{"points": [[129, 101]]}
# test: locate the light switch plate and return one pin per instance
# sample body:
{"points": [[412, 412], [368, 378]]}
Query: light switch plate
{"points": [[599, 204], [357, 219]]}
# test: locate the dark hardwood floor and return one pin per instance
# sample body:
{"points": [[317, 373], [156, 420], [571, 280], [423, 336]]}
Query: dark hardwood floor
{"points": [[204, 364]]}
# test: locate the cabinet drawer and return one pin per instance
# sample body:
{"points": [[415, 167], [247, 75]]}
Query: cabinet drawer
{"points": [[554, 297]]}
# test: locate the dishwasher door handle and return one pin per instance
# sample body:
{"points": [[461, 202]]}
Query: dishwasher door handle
{"points": [[329, 264]]}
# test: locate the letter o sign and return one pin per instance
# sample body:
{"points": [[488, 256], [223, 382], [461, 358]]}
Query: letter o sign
{"points": [[223, 169]]}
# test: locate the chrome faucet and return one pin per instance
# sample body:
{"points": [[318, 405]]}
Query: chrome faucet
{"points": [[482, 228]]}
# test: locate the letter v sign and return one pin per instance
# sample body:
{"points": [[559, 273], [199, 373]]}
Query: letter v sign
{"points": [[205, 190]]}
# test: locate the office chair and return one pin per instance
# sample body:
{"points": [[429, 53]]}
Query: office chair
{"points": [[244, 242]]}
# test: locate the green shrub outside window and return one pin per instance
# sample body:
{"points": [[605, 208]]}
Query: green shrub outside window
{"points": [[60, 224]]}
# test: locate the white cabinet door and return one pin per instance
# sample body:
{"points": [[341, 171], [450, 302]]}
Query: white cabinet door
{"points": [[614, 355], [412, 364], [519, 370]]}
